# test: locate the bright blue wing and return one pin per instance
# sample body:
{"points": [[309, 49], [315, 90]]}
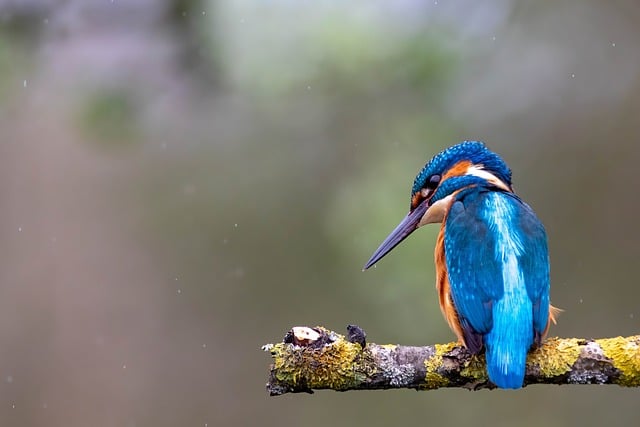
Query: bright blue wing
{"points": [[474, 268], [535, 265], [474, 275]]}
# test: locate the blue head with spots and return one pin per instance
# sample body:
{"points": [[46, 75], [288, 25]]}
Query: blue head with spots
{"points": [[471, 159], [467, 164]]}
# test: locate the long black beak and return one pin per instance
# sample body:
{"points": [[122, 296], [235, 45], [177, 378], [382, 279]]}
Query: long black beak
{"points": [[407, 226]]}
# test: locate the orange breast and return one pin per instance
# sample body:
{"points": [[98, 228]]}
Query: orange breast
{"points": [[444, 291]]}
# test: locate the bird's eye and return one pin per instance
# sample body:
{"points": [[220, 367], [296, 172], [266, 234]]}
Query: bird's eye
{"points": [[430, 186], [433, 182]]}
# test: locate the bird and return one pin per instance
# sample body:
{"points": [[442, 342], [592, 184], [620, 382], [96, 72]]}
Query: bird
{"points": [[491, 257]]}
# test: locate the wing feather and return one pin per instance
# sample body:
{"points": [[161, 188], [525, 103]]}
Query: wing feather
{"points": [[475, 277], [475, 272], [535, 266]]}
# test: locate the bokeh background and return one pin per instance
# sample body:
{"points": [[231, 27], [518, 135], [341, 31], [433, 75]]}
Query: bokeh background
{"points": [[182, 181]]}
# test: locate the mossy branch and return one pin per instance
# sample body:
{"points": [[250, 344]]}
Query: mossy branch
{"points": [[316, 358]]}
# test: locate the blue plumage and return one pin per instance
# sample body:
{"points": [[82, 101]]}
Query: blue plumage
{"points": [[492, 262], [474, 151], [498, 272]]}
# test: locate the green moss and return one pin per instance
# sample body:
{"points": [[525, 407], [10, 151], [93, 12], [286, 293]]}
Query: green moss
{"points": [[476, 368], [337, 365], [625, 355], [556, 356]]}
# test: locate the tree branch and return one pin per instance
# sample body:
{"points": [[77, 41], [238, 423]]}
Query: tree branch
{"points": [[316, 358]]}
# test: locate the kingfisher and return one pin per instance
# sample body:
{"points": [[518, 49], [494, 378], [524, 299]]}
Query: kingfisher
{"points": [[491, 257]]}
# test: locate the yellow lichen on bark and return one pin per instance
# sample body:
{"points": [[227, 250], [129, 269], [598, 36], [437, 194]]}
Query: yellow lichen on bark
{"points": [[556, 356], [625, 356], [333, 365], [433, 379], [322, 359], [476, 368]]}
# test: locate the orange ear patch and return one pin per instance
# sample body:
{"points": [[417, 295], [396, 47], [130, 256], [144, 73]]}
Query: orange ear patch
{"points": [[458, 169]]}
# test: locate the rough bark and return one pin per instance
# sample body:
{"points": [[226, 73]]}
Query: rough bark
{"points": [[316, 358]]}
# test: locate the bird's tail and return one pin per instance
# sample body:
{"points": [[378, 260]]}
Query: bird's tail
{"points": [[508, 343]]}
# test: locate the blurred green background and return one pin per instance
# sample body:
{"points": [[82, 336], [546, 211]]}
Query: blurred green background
{"points": [[182, 181]]}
